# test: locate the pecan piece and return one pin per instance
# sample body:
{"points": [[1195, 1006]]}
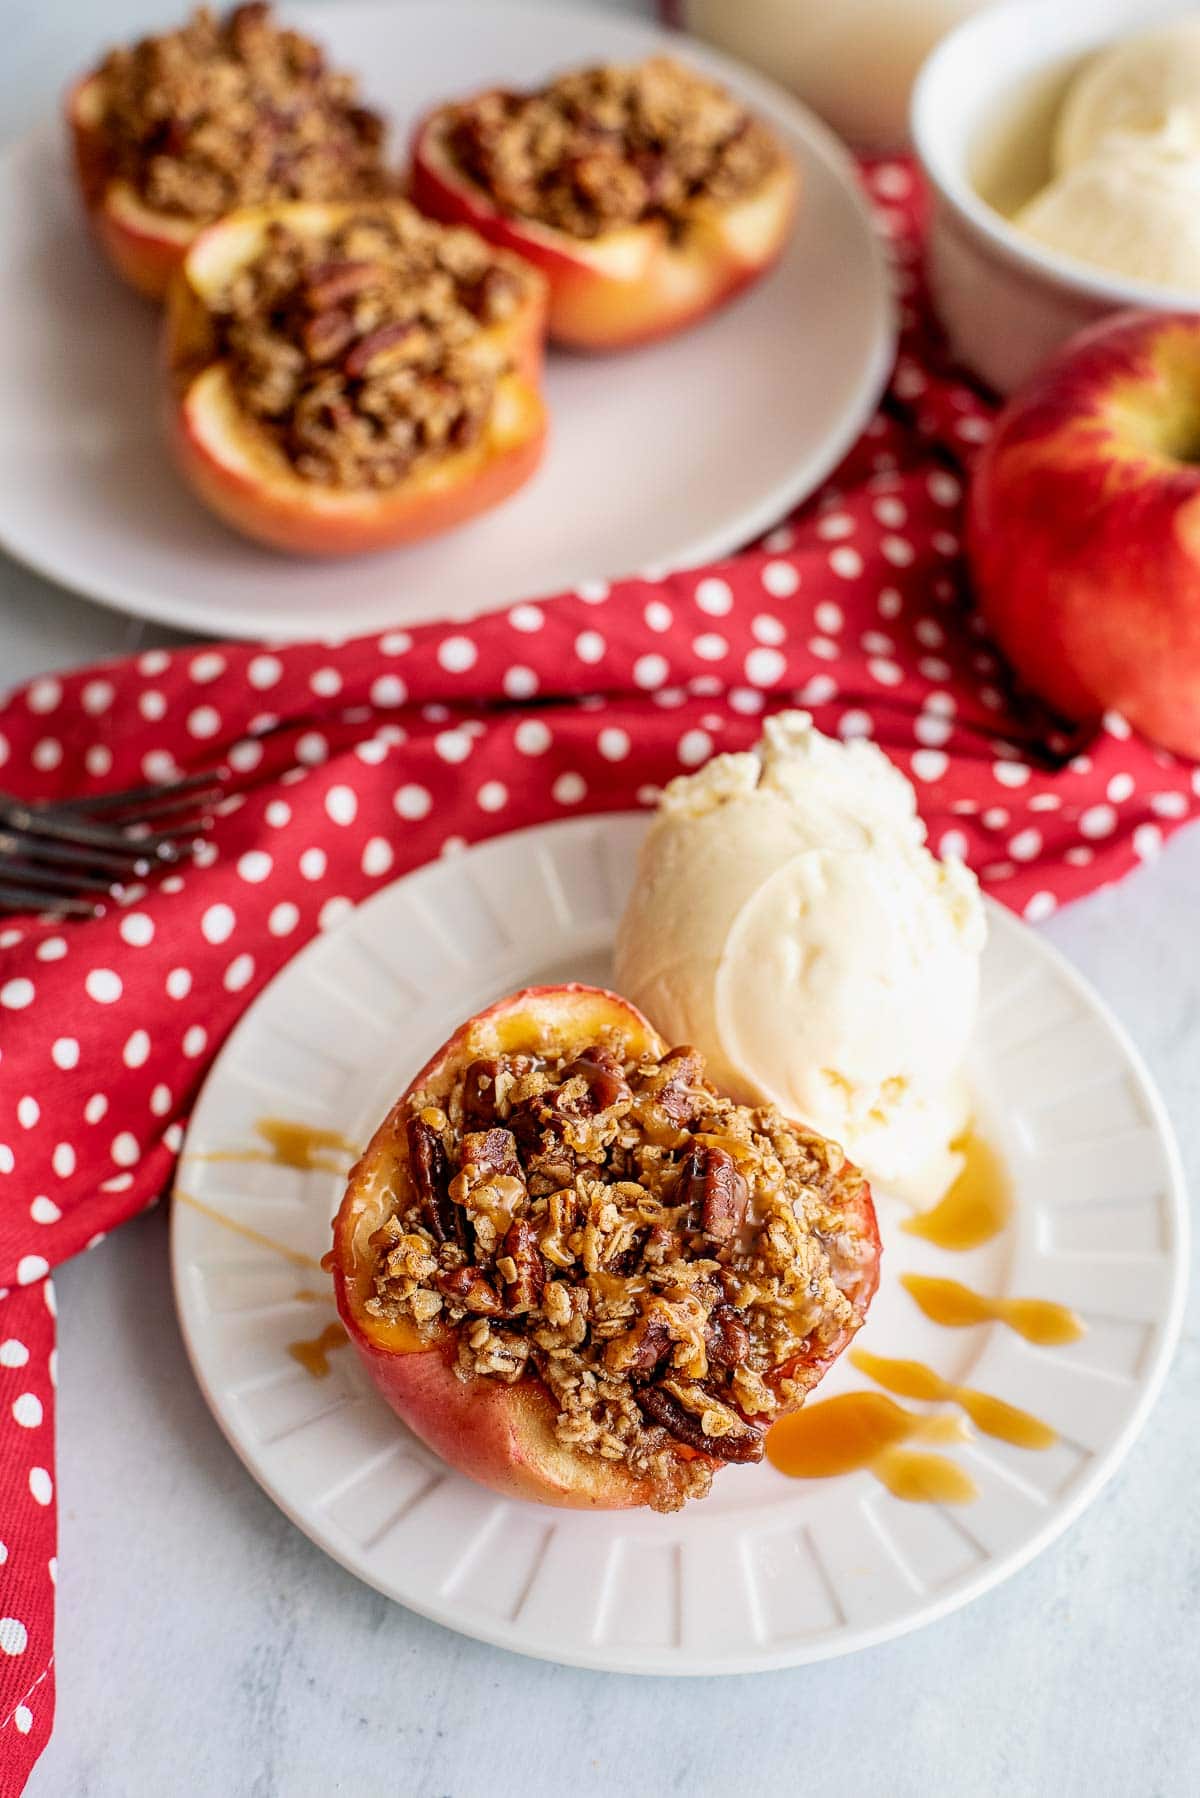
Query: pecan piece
{"points": [[479, 1095], [727, 1338], [378, 346], [329, 282], [431, 1177], [713, 1191], [682, 1070], [664, 1408], [467, 1287], [481, 1085], [641, 1349], [524, 1293], [605, 1085], [327, 334], [492, 1150]]}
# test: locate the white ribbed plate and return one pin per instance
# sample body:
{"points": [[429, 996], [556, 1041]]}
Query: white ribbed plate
{"points": [[668, 456], [768, 1572]]}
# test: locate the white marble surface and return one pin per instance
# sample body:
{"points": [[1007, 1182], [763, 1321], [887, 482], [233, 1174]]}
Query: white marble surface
{"points": [[206, 1648]]}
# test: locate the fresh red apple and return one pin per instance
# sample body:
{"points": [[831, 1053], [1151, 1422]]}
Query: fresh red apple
{"points": [[504, 1435], [1083, 527]]}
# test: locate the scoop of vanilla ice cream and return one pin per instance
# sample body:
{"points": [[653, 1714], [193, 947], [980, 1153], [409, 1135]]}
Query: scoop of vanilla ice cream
{"points": [[1133, 207], [1125, 193], [789, 921], [1148, 85]]}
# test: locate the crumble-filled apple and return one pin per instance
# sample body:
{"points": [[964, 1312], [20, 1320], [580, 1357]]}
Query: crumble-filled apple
{"points": [[351, 376], [648, 194], [176, 130], [581, 1274]]}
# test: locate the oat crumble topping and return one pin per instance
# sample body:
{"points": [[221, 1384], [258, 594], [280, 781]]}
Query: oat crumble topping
{"points": [[609, 146], [362, 351], [659, 1256], [236, 111]]}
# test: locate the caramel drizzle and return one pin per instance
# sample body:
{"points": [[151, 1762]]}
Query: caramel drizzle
{"points": [[866, 1430], [289, 1144], [976, 1207], [251, 1235], [991, 1416], [313, 1355], [955, 1306]]}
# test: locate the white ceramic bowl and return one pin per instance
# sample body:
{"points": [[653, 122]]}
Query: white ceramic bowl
{"points": [[983, 111]]}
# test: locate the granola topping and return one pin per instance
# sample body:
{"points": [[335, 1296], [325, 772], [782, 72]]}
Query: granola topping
{"points": [[363, 351], [659, 1257], [604, 147], [236, 111]]}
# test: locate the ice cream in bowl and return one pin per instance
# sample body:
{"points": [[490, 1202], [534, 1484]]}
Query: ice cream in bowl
{"points": [[1062, 146], [1126, 162]]}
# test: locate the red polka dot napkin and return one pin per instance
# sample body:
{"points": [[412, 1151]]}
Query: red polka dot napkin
{"points": [[351, 763]]}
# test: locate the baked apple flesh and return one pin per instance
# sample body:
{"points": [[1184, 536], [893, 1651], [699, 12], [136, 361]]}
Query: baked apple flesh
{"points": [[144, 247], [182, 128], [701, 234], [582, 1276], [242, 456]]}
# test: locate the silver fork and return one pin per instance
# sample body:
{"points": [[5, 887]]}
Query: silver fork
{"points": [[70, 855]]}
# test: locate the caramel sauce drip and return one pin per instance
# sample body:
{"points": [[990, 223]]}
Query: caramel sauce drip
{"points": [[947, 1302], [860, 1430], [924, 1479], [256, 1236], [289, 1144], [612, 1287], [978, 1204], [313, 1355], [991, 1416]]}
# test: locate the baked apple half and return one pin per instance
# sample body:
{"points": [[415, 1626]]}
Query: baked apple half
{"points": [[347, 377], [580, 1274], [176, 130], [647, 195]]}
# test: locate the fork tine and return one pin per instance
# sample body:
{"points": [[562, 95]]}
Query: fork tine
{"points": [[26, 845], [65, 880], [196, 801], [14, 896], [66, 828], [63, 826], [143, 798], [168, 833]]}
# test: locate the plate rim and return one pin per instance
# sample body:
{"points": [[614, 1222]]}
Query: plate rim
{"points": [[653, 1661], [159, 607]]}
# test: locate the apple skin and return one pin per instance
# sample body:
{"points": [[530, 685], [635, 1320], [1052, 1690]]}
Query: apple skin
{"points": [[1083, 527], [282, 514], [144, 247], [503, 1436], [245, 479], [628, 287]]}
